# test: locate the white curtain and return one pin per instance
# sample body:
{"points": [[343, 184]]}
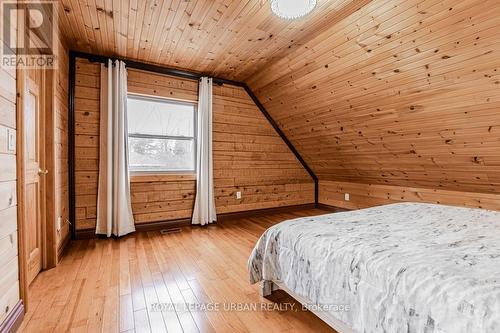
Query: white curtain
{"points": [[114, 210], [204, 206]]}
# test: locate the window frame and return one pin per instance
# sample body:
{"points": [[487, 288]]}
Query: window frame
{"points": [[194, 138]]}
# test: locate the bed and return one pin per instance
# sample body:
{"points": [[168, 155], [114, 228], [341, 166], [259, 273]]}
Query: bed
{"points": [[406, 267]]}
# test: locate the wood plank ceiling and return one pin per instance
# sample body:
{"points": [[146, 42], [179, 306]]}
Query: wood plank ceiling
{"points": [[398, 92], [401, 92], [225, 38]]}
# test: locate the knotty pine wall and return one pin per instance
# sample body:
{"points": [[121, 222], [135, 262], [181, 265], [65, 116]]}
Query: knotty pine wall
{"points": [[368, 195], [248, 154], [251, 157], [86, 143], [9, 267], [404, 94]]}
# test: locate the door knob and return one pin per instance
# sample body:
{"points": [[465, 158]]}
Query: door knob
{"points": [[42, 172]]}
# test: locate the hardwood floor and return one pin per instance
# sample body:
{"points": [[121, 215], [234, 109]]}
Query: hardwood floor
{"points": [[112, 285]]}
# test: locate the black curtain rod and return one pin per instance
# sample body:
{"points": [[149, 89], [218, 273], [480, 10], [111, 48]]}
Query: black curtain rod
{"points": [[154, 68]]}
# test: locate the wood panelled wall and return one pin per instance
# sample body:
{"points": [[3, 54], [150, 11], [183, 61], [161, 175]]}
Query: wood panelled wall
{"points": [[248, 155], [162, 198], [400, 93], [87, 83], [368, 195], [9, 267]]}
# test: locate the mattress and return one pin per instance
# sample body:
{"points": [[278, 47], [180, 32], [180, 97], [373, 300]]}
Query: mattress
{"points": [[406, 267]]}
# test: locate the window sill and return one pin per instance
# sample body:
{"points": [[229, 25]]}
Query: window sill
{"points": [[143, 177]]}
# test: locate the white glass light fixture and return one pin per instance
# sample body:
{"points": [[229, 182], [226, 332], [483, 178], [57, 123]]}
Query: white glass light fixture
{"points": [[292, 9]]}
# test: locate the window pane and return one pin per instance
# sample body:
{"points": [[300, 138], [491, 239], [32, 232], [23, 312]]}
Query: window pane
{"points": [[160, 154], [159, 117]]}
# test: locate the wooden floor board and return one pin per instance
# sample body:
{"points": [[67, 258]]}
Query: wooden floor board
{"points": [[112, 285]]}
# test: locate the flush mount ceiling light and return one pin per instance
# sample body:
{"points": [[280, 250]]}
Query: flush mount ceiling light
{"points": [[292, 9]]}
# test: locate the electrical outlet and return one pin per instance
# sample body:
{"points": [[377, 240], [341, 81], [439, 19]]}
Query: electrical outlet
{"points": [[347, 197], [59, 223], [238, 195]]}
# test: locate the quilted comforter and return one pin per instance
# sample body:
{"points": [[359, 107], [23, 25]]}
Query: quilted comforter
{"points": [[406, 267]]}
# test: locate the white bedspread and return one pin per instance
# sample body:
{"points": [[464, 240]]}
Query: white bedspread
{"points": [[405, 267]]}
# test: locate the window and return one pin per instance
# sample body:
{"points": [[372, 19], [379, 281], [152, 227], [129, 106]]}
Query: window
{"points": [[161, 134]]}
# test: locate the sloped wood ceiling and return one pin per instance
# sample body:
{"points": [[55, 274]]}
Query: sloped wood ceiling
{"points": [[397, 92], [403, 93], [224, 38]]}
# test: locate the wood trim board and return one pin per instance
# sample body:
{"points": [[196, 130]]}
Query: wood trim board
{"points": [[49, 161], [71, 144], [20, 171], [63, 246]]}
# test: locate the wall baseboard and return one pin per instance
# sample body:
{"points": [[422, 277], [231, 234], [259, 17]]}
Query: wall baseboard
{"points": [[170, 224], [12, 323], [85, 234], [63, 247], [160, 225], [258, 212], [330, 208]]}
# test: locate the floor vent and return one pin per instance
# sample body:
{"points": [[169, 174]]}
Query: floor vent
{"points": [[170, 231]]}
